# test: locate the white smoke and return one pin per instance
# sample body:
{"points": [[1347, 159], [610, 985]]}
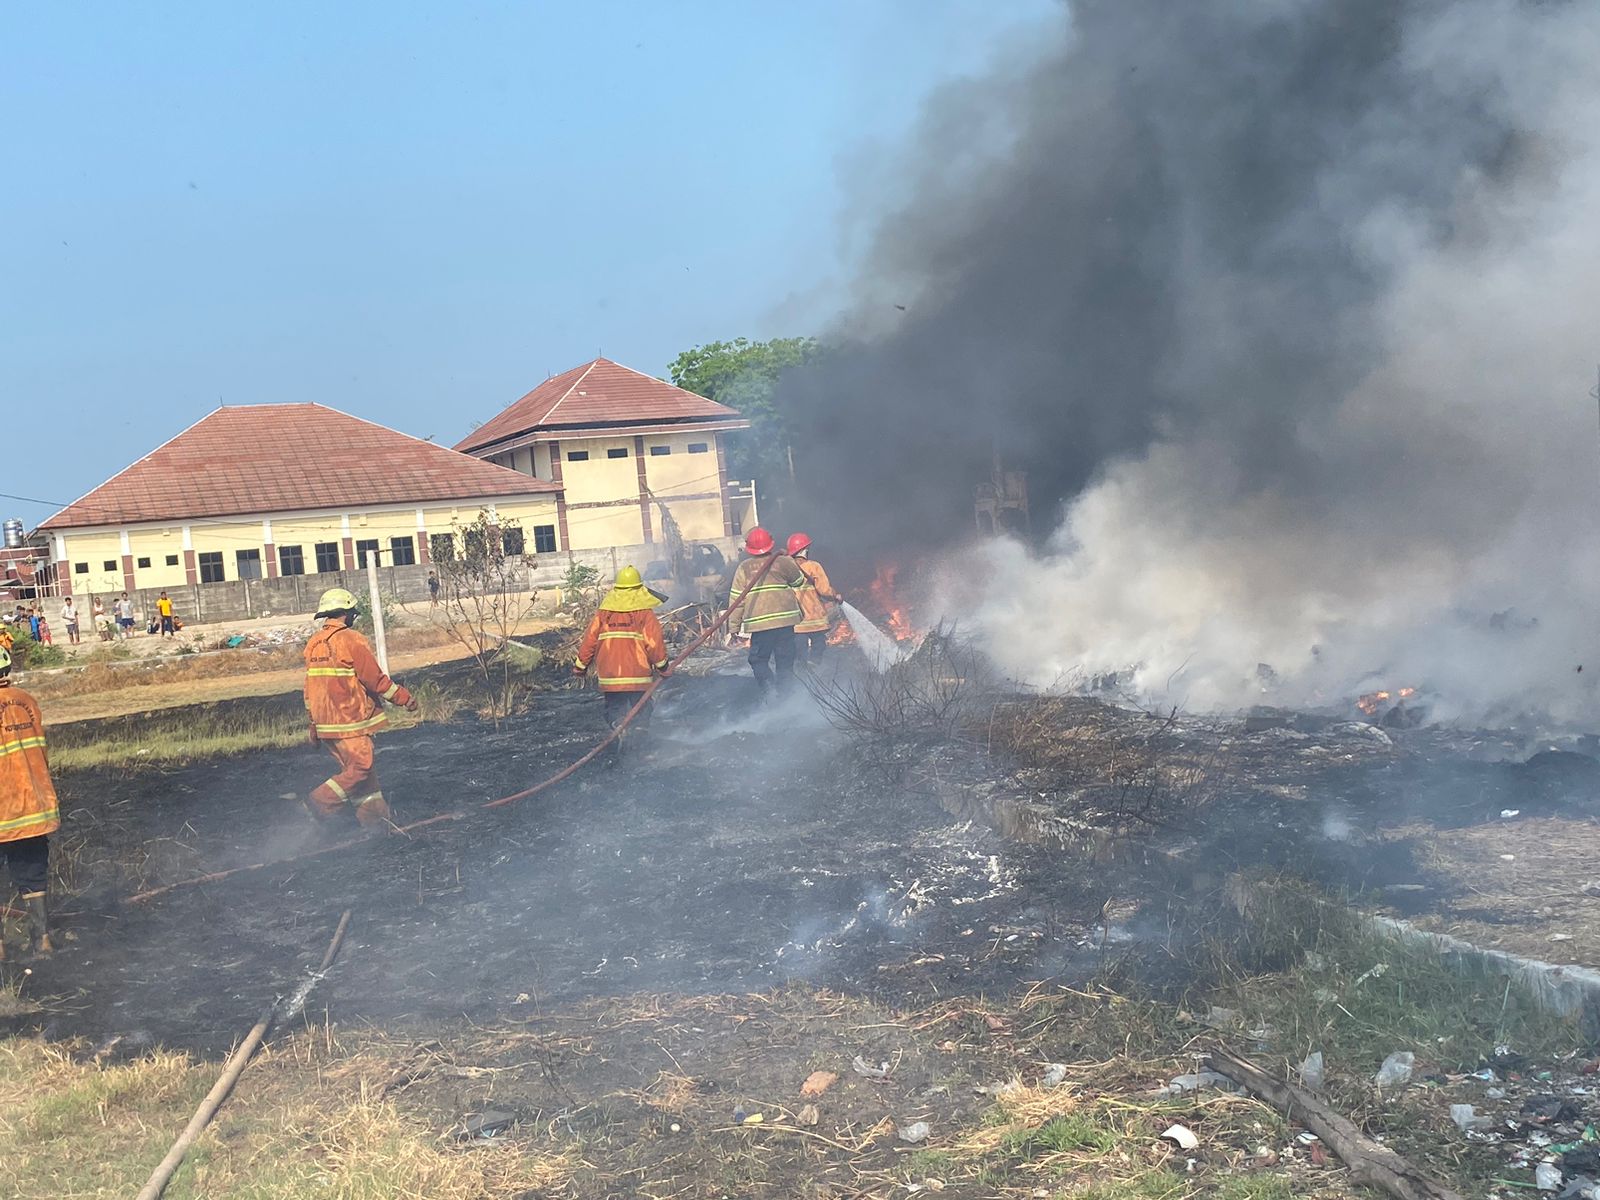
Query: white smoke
{"points": [[1439, 527]]}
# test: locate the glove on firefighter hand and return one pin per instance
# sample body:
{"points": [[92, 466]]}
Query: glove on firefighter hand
{"points": [[579, 670], [314, 739], [413, 705], [664, 671]]}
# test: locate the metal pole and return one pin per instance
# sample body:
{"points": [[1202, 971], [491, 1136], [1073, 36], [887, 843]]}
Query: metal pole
{"points": [[381, 644]]}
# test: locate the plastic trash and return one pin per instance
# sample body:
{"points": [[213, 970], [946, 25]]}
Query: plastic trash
{"points": [[1507, 813], [818, 1082], [1054, 1075], [914, 1133], [1547, 1176], [1465, 1117], [1311, 1073], [1396, 1070], [862, 1067], [809, 1115], [1195, 1082], [486, 1124], [1183, 1136]]}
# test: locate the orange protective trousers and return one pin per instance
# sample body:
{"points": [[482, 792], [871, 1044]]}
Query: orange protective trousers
{"points": [[355, 784]]}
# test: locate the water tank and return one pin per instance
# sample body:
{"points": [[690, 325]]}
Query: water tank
{"points": [[13, 530]]}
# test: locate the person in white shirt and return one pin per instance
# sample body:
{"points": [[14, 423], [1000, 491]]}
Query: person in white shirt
{"points": [[69, 617], [124, 608]]}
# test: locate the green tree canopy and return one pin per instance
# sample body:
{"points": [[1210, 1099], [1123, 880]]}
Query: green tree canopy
{"points": [[744, 375]]}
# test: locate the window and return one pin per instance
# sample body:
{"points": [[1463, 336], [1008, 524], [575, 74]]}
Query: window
{"points": [[80, 568], [577, 456], [475, 544], [327, 557], [249, 563], [111, 564], [544, 539], [442, 547], [172, 560], [660, 451], [364, 547], [698, 448], [211, 567], [291, 560], [144, 564], [403, 551], [511, 542], [617, 452]]}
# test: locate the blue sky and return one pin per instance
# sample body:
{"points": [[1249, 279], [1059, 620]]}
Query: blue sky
{"points": [[415, 212]]}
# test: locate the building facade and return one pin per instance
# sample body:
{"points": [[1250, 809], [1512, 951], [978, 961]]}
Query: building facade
{"points": [[619, 445], [278, 490]]}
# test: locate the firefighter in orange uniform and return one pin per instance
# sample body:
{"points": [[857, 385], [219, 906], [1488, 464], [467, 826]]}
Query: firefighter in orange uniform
{"points": [[818, 601], [29, 813], [625, 646], [343, 686]]}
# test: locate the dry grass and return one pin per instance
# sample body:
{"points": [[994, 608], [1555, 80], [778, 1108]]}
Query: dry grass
{"points": [[305, 1120]]}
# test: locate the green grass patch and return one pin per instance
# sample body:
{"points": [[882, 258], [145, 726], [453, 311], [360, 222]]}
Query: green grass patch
{"points": [[1059, 1135], [1151, 1185], [1358, 996], [186, 735]]}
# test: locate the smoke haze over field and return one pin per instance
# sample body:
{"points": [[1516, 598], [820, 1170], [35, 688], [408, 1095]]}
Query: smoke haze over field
{"points": [[1289, 309]]}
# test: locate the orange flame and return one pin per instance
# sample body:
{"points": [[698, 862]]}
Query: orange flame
{"points": [[883, 596], [1373, 701]]}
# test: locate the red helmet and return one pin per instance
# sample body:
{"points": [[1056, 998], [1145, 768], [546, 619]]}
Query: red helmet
{"points": [[798, 542], [758, 541]]}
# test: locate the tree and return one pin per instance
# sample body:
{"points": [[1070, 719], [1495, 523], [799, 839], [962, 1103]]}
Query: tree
{"points": [[484, 594], [744, 375]]}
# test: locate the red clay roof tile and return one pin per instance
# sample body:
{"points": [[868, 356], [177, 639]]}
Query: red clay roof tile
{"points": [[273, 458], [597, 393]]}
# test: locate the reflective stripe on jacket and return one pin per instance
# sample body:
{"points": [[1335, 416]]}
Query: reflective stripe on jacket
{"points": [[814, 597], [774, 603], [28, 806], [625, 647], [344, 684]]}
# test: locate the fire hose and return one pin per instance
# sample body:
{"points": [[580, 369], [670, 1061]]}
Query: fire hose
{"points": [[458, 814], [232, 1069]]}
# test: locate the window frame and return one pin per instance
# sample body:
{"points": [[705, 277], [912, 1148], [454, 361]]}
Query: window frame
{"points": [[577, 456], [660, 451], [544, 539], [251, 555], [512, 541], [336, 555], [208, 559], [288, 569], [617, 452], [403, 544], [699, 448], [366, 546]]}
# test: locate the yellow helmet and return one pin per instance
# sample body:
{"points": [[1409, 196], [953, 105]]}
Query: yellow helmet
{"points": [[629, 577], [5, 660], [336, 600]]}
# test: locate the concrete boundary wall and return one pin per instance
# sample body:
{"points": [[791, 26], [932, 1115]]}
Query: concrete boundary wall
{"points": [[238, 600]]}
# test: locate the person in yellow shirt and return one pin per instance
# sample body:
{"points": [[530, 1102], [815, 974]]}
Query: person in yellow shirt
{"points": [[164, 611]]}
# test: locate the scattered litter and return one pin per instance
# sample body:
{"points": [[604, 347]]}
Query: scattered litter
{"points": [[1582, 1159], [1495, 1094], [1054, 1075], [1547, 1107], [999, 1091], [1592, 888], [1311, 1073], [740, 1117], [485, 1125], [1195, 1082], [809, 1115], [819, 1082], [1183, 1136], [1396, 1070], [1221, 1018], [1507, 813], [1465, 1117], [675, 1128], [1324, 995], [1559, 937], [1508, 858], [1376, 972], [1547, 1176], [862, 1067], [1486, 1074], [914, 1133]]}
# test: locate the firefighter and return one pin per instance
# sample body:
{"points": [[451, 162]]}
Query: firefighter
{"points": [[818, 601], [343, 686], [29, 813], [625, 645], [768, 614]]}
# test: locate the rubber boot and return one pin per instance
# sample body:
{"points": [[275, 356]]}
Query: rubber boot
{"points": [[39, 923]]}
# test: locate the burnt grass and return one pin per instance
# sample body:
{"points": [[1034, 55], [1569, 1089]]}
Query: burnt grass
{"points": [[721, 860], [741, 850]]}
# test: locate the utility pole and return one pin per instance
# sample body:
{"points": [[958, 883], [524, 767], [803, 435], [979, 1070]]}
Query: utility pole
{"points": [[381, 644]]}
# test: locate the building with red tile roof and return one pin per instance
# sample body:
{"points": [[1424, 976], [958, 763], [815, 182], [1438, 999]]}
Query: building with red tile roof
{"points": [[626, 449], [271, 490]]}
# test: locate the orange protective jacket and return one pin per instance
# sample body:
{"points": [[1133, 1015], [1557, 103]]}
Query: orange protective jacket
{"points": [[625, 647], [814, 598], [344, 683], [28, 806]]}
